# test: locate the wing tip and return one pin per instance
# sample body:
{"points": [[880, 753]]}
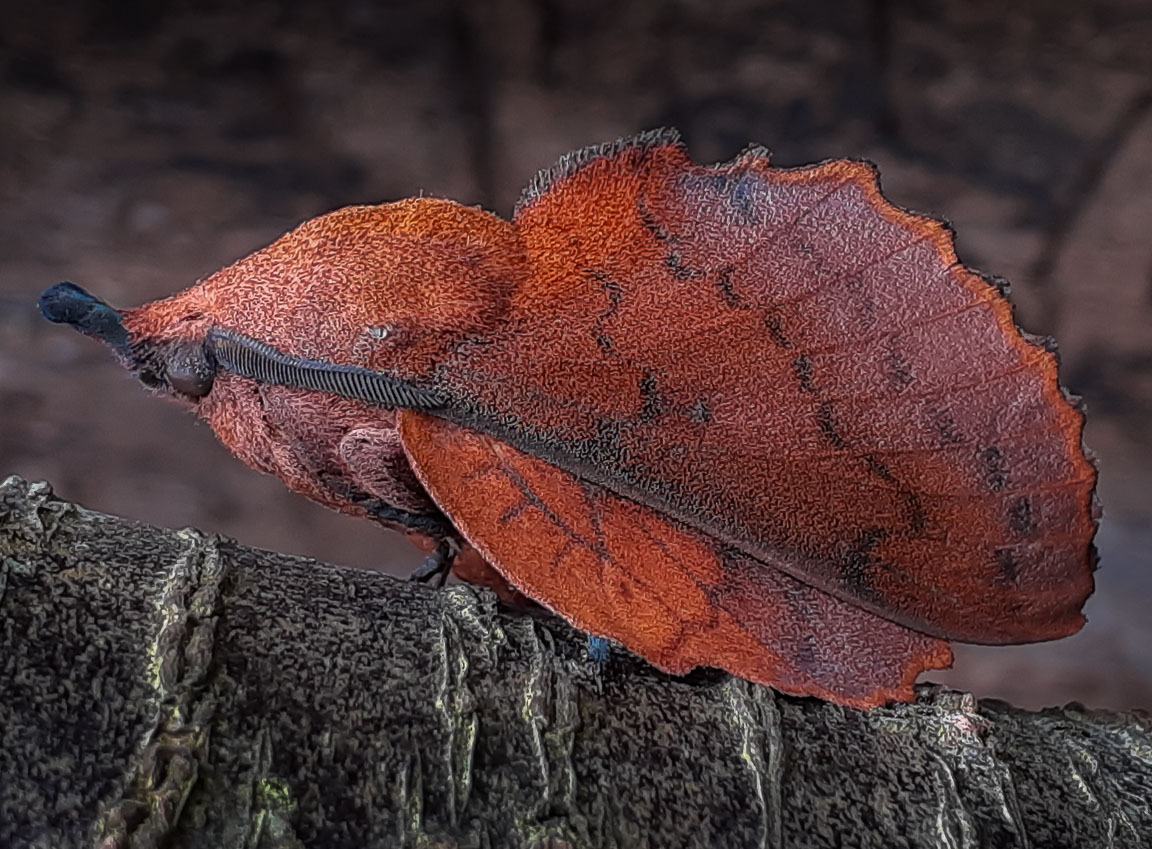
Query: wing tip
{"points": [[901, 690], [1069, 406]]}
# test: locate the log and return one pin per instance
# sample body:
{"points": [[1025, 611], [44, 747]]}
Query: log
{"points": [[172, 688]]}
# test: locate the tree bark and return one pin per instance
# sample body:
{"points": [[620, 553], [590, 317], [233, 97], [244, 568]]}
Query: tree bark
{"points": [[169, 688]]}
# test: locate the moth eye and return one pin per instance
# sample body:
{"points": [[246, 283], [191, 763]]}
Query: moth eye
{"points": [[373, 339], [190, 371]]}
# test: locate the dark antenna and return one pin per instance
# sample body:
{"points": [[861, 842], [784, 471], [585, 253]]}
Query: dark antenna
{"points": [[261, 362]]}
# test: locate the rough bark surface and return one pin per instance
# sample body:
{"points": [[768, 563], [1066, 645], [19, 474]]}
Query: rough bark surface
{"points": [[168, 688]]}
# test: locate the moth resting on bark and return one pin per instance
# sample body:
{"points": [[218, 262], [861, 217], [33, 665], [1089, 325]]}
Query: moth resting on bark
{"points": [[737, 416]]}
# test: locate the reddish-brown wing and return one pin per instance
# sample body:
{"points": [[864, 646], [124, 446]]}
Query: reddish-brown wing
{"points": [[668, 593], [789, 364]]}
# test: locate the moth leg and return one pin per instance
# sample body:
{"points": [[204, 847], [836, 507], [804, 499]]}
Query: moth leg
{"points": [[438, 564], [599, 650], [375, 458]]}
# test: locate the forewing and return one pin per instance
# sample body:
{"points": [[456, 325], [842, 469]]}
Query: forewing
{"points": [[786, 362], [666, 591]]}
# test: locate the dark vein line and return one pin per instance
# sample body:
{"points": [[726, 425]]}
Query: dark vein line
{"points": [[867, 401], [841, 277], [540, 504]]}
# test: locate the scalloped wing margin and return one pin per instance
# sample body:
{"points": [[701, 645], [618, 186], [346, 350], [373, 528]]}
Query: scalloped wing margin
{"points": [[961, 505]]}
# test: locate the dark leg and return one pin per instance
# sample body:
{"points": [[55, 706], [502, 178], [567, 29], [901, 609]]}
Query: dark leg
{"points": [[438, 564], [435, 525]]}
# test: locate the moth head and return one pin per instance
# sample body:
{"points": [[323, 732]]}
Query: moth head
{"points": [[391, 289]]}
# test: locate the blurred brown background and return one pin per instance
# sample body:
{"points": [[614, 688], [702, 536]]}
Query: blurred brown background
{"points": [[144, 145]]}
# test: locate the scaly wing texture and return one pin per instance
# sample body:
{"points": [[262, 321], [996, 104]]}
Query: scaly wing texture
{"points": [[789, 364], [667, 592]]}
